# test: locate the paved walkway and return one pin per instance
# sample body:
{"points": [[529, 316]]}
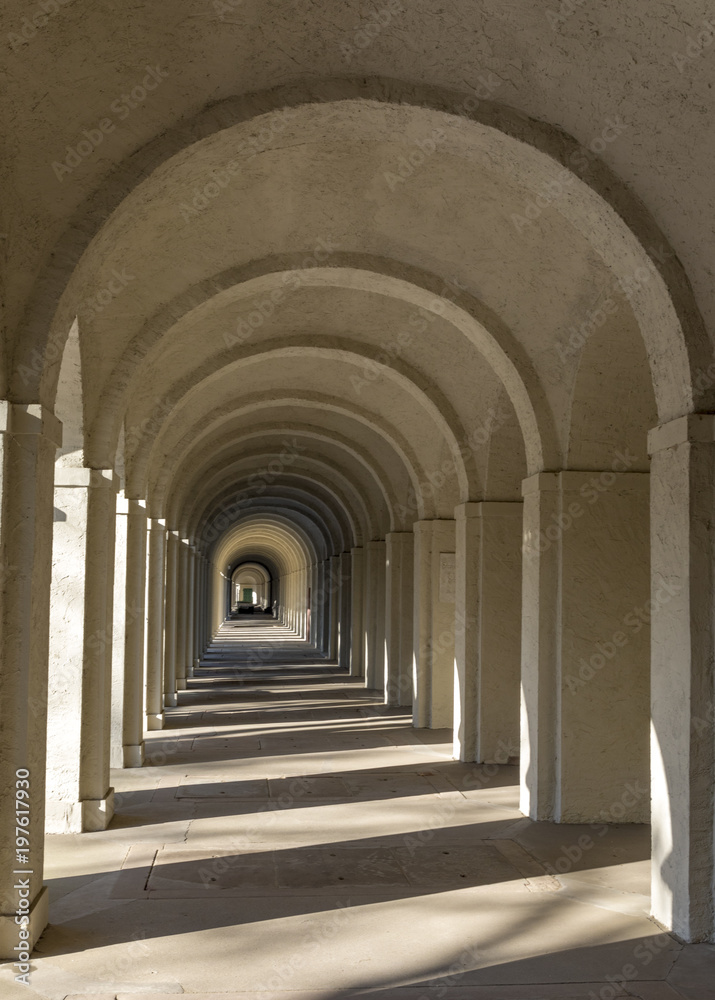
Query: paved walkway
{"points": [[291, 838]]}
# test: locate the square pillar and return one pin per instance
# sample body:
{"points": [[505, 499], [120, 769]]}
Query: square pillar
{"points": [[79, 691], [357, 614], [156, 571], [173, 557], [434, 624], [128, 634], [324, 601], [201, 609], [399, 572], [585, 647], [333, 592], [375, 616], [345, 624], [315, 578], [682, 675], [29, 437], [488, 631], [182, 612], [190, 611]]}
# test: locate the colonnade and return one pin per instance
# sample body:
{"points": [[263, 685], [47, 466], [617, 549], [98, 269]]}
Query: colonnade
{"points": [[560, 630]]}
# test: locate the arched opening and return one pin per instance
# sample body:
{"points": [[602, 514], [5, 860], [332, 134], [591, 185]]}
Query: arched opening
{"points": [[415, 428]]}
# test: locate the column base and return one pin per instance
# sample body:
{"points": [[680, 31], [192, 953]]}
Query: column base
{"points": [[133, 755], [170, 700], [86, 816], [63, 817], [10, 931], [155, 721], [97, 813], [180, 683]]}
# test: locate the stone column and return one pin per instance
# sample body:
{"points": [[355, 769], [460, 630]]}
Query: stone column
{"points": [[333, 592], [314, 582], [133, 729], [208, 631], [206, 583], [366, 635], [182, 611], [326, 601], [156, 578], [201, 610], [196, 649], [79, 692], [116, 753], [170, 620], [345, 610], [488, 631], [357, 626], [375, 616], [682, 682], [434, 624], [128, 634], [399, 572], [422, 624], [585, 651], [190, 611], [29, 436]]}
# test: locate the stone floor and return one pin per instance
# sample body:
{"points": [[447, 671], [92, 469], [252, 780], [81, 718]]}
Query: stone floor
{"points": [[291, 838]]}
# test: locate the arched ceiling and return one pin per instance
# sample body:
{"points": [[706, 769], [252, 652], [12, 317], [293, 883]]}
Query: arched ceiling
{"points": [[304, 277], [289, 547]]}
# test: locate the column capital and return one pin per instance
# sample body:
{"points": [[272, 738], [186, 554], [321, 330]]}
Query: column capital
{"points": [[74, 478], [574, 480], [693, 428], [157, 524], [30, 418], [541, 482], [400, 537], [488, 508]]}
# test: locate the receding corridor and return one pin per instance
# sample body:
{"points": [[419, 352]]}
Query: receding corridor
{"points": [[291, 835]]}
